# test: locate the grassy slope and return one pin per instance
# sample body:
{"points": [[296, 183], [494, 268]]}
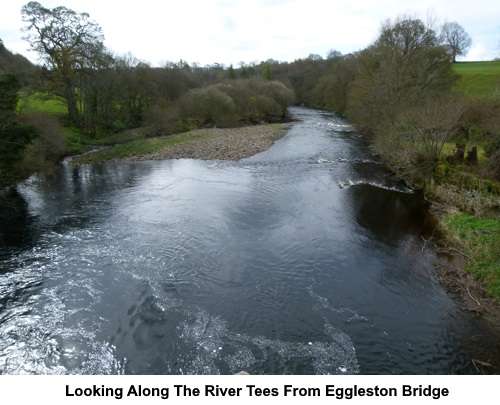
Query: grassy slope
{"points": [[479, 79]]}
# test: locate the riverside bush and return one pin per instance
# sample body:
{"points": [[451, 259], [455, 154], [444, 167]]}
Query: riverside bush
{"points": [[209, 107]]}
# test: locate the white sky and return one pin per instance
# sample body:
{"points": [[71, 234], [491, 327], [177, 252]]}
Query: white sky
{"points": [[230, 31]]}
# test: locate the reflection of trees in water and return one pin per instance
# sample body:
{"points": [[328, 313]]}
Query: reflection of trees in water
{"points": [[388, 214], [15, 220], [60, 201], [399, 220]]}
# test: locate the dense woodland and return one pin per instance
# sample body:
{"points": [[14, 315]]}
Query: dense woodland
{"points": [[399, 92]]}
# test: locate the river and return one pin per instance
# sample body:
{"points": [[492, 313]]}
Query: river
{"points": [[305, 259]]}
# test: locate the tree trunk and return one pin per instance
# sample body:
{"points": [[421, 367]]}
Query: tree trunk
{"points": [[71, 100]]}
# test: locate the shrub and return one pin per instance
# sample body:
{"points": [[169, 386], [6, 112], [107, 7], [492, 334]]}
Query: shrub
{"points": [[47, 149], [209, 107], [164, 120]]}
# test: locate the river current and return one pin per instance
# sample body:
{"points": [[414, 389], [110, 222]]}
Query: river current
{"points": [[305, 259]]}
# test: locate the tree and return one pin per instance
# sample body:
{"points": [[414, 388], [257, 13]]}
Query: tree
{"points": [[230, 73], [402, 96], [314, 56], [62, 37], [402, 68], [268, 73], [455, 39], [333, 54]]}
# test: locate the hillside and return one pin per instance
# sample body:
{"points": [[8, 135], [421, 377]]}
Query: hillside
{"points": [[10, 62], [479, 79]]}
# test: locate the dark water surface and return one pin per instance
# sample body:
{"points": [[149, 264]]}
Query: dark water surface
{"points": [[305, 259]]}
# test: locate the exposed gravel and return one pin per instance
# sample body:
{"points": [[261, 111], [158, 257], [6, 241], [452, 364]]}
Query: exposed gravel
{"points": [[224, 144]]}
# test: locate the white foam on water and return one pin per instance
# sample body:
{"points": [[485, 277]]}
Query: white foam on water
{"points": [[323, 304], [322, 160], [349, 183], [214, 349], [42, 333]]}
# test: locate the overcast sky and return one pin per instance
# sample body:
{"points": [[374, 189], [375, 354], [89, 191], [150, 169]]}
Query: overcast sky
{"points": [[230, 31]]}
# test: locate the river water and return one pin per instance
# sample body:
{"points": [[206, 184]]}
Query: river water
{"points": [[305, 259]]}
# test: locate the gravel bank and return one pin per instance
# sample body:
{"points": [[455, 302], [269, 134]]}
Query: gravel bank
{"points": [[223, 143]]}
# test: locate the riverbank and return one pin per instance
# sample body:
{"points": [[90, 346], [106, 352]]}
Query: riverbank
{"points": [[206, 144]]}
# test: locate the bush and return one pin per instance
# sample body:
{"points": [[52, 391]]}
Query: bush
{"points": [[48, 148], [164, 120], [209, 107], [275, 90]]}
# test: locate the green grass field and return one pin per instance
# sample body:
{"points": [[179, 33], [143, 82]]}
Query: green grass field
{"points": [[479, 79]]}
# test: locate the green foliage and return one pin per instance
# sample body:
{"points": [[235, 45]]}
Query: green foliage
{"points": [[480, 238]]}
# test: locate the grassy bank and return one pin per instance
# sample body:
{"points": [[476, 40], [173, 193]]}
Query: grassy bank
{"points": [[479, 240], [140, 147], [469, 211]]}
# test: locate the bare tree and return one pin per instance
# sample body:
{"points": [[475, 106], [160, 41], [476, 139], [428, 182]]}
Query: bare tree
{"points": [[333, 54], [455, 39]]}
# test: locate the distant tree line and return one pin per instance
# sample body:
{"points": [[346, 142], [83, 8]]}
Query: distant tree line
{"points": [[399, 90]]}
